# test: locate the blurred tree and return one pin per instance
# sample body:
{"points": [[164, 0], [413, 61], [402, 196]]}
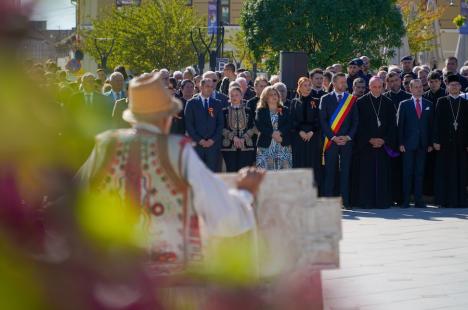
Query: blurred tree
{"points": [[153, 35], [419, 23], [242, 55], [328, 33]]}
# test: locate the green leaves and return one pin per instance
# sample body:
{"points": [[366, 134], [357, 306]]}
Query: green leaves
{"points": [[329, 31], [154, 35]]}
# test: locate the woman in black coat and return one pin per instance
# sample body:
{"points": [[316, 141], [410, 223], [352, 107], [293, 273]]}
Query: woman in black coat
{"points": [[274, 125], [305, 126]]}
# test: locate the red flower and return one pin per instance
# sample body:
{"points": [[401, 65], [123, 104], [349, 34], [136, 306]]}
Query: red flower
{"points": [[158, 209], [280, 111], [211, 112]]}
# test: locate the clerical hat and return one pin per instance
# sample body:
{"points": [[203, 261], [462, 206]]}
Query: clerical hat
{"points": [[453, 78]]}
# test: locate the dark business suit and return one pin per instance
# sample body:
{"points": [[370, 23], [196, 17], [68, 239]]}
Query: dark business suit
{"points": [[264, 126], [219, 96], [88, 119], [328, 105], [415, 134], [201, 125]]}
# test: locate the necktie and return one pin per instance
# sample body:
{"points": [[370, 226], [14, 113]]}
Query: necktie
{"points": [[206, 104], [418, 108], [340, 97]]}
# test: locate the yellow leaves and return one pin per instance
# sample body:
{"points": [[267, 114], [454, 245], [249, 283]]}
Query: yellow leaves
{"points": [[231, 261], [419, 23], [459, 20], [108, 221]]}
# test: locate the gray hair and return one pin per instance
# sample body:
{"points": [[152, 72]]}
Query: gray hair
{"points": [[116, 75], [415, 81], [87, 75], [191, 70], [241, 79], [281, 87], [208, 73], [463, 69]]}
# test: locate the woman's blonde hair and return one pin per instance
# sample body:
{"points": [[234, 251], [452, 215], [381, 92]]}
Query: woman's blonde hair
{"points": [[301, 81], [263, 102]]}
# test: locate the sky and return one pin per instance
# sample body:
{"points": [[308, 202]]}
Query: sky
{"points": [[60, 14]]}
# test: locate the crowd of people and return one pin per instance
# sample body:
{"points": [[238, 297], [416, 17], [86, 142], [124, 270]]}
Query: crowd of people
{"points": [[375, 139]]}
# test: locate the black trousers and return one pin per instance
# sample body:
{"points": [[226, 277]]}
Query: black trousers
{"points": [[236, 160], [414, 162], [210, 156], [334, 156]]}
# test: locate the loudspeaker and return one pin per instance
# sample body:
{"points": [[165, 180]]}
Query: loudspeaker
{"points": [[293, 65]]}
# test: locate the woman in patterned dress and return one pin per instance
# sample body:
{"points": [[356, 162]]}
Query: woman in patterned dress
{"points": [[274, 124], [238, 148]]}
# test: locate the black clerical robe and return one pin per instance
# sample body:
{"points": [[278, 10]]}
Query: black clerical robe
{"points": [[396, 164], [376, 120], [429, 171], [451, 132], [435, 96]]}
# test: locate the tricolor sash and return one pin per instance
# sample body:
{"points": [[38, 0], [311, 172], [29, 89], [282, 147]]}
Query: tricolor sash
{"points": [[338, 117]]}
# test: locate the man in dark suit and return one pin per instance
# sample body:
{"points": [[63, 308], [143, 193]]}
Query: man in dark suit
{"points": [[216, 94], [204, 122], [117, 83], [90, 111], [415, 117], [341, 146]]}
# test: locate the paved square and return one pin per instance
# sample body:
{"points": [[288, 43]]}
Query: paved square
{"points": [[401, 259]]}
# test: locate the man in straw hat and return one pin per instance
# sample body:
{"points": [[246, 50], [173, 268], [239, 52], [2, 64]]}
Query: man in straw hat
{"points": [[164, 175]]}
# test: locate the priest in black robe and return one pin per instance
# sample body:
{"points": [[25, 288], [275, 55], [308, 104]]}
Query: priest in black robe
{"points": [[433, 94], [396, 95], [451, 145], [375, 133]]}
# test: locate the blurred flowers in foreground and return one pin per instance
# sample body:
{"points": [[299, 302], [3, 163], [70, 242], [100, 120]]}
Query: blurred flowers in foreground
{"points": [[63, 249]]}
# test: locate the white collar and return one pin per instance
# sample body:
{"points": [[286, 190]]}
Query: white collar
{"points": [[147, 127], [203, 98], [414, 98], [375, 96], [338, 94], [455, 97]]}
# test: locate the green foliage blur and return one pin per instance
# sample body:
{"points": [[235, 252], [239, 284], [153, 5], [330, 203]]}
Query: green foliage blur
{"points": [[153, 35], [328, 31]]}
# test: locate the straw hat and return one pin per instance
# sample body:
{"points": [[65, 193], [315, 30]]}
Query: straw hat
{"points": [[149, 98]]}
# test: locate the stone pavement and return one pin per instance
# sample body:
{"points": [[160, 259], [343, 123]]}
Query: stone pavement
{"points": [[401, 259]]}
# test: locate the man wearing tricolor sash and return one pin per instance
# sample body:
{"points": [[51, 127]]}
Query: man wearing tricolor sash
{"points": [[339, 120]]}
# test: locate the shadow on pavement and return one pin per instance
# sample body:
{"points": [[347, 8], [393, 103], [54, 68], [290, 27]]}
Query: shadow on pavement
{"points": [[429, 214]]}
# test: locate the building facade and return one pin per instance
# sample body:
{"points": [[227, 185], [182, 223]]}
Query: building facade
{"points": [[41, 44]]}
